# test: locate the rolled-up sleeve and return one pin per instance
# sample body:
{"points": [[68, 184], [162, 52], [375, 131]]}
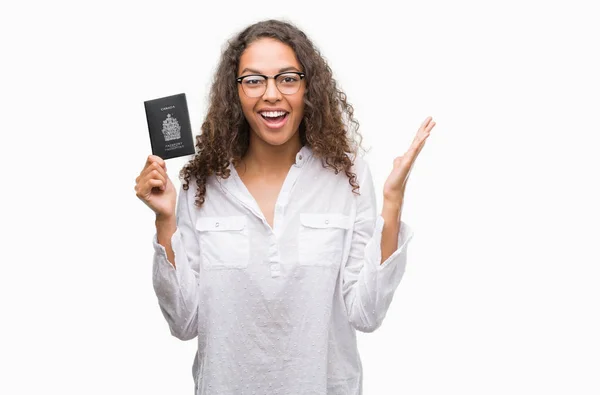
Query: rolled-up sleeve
{"points": [[369, 285], [177, 289]]}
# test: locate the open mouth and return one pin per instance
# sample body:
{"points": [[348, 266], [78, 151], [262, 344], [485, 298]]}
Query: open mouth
{"points": [[274, 119]]}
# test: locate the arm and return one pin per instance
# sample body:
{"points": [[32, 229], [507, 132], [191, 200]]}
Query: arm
{"points": [[165, 227], [391, 215], [176, 285], [376, 261]]}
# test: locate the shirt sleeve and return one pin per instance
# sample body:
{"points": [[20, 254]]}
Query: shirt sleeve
{"points": [[177, 289], [369, 285]]}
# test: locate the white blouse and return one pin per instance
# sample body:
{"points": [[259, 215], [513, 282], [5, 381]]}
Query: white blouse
{"points": [[276, 310]]}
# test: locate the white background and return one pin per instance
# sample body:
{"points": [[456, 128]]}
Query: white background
{"points": [[501, 291]]}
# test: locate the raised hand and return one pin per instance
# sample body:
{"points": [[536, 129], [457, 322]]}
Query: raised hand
{"points": [[395, 185]]}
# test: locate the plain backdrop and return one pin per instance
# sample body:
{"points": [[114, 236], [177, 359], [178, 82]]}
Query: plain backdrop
{"points": [[501, 292]]}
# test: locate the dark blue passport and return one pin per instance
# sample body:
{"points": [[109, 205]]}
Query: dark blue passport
{"points": [[169, 126]]}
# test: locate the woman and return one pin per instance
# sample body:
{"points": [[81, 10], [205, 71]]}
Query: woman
{"points": [[276, 256]]}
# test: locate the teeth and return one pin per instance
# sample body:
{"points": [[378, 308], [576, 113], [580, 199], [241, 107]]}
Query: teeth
{"points": [[272, 114]]}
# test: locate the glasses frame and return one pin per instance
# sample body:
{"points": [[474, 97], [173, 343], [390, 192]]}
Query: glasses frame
{"points": [[239, 80]]}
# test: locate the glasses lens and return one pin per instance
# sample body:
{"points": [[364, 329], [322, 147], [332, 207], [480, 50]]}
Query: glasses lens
{"points": [[288, 83], [254, 85]]}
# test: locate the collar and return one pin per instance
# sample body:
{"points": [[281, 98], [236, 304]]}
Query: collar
{"points": [[303, 156]]}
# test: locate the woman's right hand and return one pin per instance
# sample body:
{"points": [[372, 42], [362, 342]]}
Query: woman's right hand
{"points": [[155, 189]]}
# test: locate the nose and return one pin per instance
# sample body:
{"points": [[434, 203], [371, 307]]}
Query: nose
{"points": [[271, 91]]}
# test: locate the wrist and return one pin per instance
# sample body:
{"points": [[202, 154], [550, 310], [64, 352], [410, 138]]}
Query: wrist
{"points": [[391, 209], [164, 218], [393, 196]]}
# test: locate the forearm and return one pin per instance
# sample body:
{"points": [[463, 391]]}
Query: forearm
{"points": [[165, 227], [391, 213]]}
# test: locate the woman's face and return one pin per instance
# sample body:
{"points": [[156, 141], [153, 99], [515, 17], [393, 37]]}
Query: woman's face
{"points": [[270, 57]]}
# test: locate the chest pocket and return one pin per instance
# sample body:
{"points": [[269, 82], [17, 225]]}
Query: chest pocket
{"points": [[224, 242], [321, 239]]}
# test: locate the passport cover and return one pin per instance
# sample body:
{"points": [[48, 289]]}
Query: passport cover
{"points": [[169, 126]]}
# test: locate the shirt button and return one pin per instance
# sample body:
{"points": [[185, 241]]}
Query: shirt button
{"points": [[217, 225], [326, 222]]}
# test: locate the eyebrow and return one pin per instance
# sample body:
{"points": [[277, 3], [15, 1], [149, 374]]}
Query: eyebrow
{"points": [[280, 70]]}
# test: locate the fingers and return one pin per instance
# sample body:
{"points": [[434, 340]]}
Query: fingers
{"points": [[153, 183], [426, 126], [423, 131], [153, 170], [144, 185], [155, 163], [426, 132], [425, 122], [156, 159], [420, 138], [417, 144], [154, 175], [429, 126], [420, 147], [157, 172]]}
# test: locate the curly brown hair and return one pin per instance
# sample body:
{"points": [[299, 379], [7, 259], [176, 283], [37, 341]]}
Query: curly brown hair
{"points": [[328, 126]]}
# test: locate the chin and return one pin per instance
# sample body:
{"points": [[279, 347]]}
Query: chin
{"points": [[275, 140]]}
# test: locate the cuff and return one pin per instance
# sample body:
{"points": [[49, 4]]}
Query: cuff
{"points": [[160, 250]]}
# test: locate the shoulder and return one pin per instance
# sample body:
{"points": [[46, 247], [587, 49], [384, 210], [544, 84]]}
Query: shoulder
{"points": [[359, 163], [361, 168], [189, 190], [329, 178]]}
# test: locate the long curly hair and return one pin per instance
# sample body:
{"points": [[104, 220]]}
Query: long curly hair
{"points": [[328, 126]]}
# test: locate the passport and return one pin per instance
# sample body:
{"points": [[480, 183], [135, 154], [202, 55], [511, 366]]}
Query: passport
{"points": [[169, 126]]}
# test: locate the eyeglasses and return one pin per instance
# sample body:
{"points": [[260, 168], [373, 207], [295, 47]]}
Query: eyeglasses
{"points": [[255, 85]]}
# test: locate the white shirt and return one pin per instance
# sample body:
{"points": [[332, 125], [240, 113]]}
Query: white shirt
{"points": [[276, 310]]}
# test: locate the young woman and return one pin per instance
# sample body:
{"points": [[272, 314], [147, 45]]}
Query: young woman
{"points": [[276, 255]]}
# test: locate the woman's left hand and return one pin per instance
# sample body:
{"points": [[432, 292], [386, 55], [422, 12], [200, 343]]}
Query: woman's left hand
{"points": [[393, 189]]}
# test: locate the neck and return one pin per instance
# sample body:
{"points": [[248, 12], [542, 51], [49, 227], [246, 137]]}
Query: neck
{"points": [[267, 160]]}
